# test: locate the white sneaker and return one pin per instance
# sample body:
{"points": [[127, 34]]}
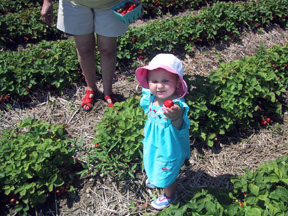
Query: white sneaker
{"points": [[163, 202], [150, 185]]}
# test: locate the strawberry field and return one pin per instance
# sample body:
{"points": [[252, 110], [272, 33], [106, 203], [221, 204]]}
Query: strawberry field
{"points": [[56, 159]]}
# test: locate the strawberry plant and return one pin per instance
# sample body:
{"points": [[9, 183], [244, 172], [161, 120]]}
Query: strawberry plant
{"points": [[15, 6], [264, 192], [236, 94], [43, 66], [26, 26], [117, 147], [35, 158], [221, 21]]}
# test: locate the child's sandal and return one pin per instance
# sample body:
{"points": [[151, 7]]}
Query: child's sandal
{"points": [[87, 101]]}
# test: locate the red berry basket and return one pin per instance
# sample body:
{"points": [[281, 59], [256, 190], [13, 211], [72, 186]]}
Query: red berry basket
{"points": [[127, 11]]}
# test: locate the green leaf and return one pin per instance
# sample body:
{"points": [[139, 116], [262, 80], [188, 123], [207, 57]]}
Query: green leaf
{"points": [[18, 207], [282, 192], [254, 189], [211, 207], [272, 178], [2, 174], [255, 211], [285, 180]]}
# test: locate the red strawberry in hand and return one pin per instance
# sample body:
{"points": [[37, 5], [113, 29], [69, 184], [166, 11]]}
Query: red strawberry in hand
{"points": [[168, 103]]}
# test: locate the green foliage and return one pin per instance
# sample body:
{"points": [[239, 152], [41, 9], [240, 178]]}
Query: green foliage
{"points": [[20, 20], [221, 21], [117, 147], [26, 25], [264, 192], [33, 160], [238, 94], [16, 6], [49, 64]]}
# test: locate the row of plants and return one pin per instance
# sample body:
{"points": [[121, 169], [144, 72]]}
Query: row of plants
{"points": [[152, 8], [260, 193], [221, 21], [239, 95], [20, 20], [26, 26], [16, 6], [216, 22], [49, 66], [178, 35], [36, 161], [120, 154]]}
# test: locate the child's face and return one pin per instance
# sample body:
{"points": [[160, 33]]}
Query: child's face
{"points": [[162, 84]]}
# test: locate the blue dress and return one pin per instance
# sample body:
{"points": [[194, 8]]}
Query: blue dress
{"points": [[165, 148]]}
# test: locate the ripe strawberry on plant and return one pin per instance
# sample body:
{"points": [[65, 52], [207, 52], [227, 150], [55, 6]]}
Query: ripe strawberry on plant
{"points": [[241, 204], [168, 103]]}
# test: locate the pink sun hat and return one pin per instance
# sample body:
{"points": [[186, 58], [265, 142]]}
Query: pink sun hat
{"points": [[166, 61]]}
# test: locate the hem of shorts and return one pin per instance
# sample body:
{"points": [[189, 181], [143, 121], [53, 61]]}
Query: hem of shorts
{"points": [[66, 32]]}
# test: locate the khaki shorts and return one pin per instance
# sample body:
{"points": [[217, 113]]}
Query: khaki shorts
{"points": [[80, 20]]}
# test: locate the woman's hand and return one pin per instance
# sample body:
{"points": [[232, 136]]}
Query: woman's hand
{"points": [[47, 12]]}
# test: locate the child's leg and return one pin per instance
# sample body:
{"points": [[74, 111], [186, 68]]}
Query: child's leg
{"points": [[170, 190]]}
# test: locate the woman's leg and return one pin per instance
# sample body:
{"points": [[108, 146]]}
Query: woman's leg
{"points": [[108, 54], [85, 45]]}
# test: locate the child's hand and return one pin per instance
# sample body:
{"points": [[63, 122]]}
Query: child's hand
{"points": [[173, 113]]}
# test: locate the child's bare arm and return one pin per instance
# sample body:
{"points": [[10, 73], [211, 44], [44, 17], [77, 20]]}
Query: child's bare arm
{"points": [[175, 114]]}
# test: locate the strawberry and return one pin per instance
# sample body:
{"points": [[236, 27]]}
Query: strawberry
{"points": [[129, 6], [123, 12], [12, 200], [168, 103]]}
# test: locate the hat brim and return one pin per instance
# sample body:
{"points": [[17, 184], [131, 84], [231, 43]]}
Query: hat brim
{"points": [[141, 75]]}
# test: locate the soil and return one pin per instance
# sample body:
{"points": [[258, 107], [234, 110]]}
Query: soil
{"points": [[206, 168]]}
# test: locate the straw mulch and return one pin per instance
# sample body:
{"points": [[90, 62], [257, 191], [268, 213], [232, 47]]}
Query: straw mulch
{"points": [[104, 196]]}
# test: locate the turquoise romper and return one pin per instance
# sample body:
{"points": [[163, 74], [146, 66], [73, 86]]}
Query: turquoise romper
{"points": [[165, 148]]}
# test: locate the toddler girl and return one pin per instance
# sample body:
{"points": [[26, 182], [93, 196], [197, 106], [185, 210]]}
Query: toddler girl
{"points": [[166, 142]]}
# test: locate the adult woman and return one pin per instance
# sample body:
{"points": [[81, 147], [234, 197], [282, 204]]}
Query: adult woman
{"points": [[82, 18]]}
